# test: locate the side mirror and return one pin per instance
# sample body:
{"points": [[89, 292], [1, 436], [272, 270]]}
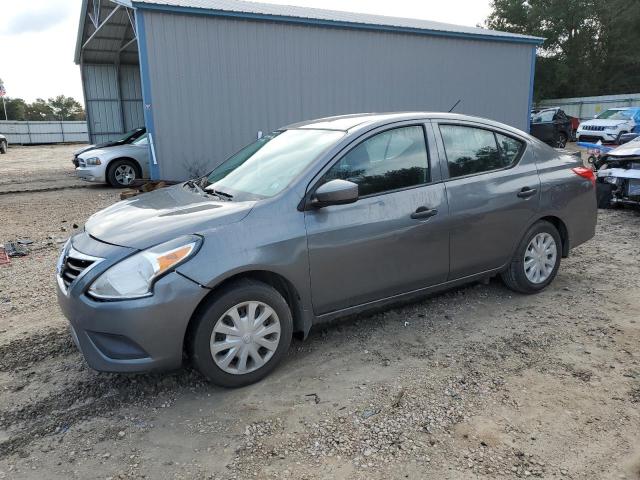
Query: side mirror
{"points": [[335, 192]]}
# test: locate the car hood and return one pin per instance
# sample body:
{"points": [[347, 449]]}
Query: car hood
{"points": [[604, 123], [630, 149], [162, 215], [113, 151], [92, 147]]}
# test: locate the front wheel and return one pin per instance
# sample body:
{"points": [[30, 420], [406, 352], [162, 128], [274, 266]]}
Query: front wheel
{"points": [[122, 173], [241, 335], [3, 147], [536, 261], [562, 140]]}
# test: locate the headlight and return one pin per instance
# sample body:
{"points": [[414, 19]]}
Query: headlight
{"points": [[134, 276], [611, 180], [613, 127], [93, 161]]}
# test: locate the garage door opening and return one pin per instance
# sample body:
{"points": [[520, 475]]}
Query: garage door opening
{"points": [[107, 52]]}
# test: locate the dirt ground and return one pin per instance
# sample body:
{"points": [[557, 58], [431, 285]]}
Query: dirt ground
{"points": [[476, 383]]}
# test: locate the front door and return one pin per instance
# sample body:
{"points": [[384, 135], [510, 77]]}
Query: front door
{"points": [[493, 191], [394, 239]]}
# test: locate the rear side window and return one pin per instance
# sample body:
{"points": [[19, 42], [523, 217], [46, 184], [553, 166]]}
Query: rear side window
{"points": [[473, 150], [390, 160], [510, 149]]}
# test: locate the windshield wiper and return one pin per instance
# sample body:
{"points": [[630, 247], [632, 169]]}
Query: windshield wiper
{"points": [[220, 194]]}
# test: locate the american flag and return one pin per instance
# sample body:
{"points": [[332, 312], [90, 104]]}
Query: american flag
{"points": [[3, 91]]}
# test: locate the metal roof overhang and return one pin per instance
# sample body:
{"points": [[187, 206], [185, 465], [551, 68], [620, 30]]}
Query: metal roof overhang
{"points": [[337, 19], [106, 33]]}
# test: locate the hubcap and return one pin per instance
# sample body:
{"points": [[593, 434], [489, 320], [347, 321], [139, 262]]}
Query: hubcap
{"points": [[125, 174], [540, 258], [245, 337]]}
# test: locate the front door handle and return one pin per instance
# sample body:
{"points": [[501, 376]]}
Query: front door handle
{"points": [[423, 212], [527, 192]]}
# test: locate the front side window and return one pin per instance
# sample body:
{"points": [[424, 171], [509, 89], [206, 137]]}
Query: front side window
{"points": [[266, 167], [387, 161], [544, 116], [472, 150]]}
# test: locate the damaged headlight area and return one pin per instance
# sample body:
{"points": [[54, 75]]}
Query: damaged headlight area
{"points": [[134, 276]]}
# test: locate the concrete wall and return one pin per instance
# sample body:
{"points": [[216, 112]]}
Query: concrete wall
{"points": [[215, 82], [588, 107], [27, 133]]}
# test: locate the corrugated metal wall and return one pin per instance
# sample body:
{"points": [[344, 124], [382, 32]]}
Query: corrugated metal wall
{"points": [[113, 100], [588, 107], [27, 133], [216, 82]]}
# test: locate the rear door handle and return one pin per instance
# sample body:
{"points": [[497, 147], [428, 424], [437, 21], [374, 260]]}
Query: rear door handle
{"points": [[527, 192], [423, 212]]}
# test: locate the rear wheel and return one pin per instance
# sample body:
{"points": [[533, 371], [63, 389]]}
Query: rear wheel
{"points": [[536, 261], [122, 173], [241, 334], [3, 147]]}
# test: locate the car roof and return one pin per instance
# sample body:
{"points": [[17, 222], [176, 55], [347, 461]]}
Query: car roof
{"points": [[347, 123]]}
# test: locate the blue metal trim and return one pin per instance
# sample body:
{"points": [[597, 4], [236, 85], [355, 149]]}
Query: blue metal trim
{"points": [[147, 104], [531, 82], [334, 23]]}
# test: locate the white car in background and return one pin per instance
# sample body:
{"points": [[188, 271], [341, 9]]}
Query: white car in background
{"points": [[610, 125], [118, 166]]}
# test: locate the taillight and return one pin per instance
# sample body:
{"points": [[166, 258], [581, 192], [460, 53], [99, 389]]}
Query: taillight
{"points": [[585, 172]]}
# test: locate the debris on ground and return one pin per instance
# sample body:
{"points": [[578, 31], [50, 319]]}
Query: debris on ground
{"points": [[143, 188], [16, 249]]}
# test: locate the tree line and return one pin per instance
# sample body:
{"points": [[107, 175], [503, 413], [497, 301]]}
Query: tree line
{"points": [[591, 47], [58, 108]]}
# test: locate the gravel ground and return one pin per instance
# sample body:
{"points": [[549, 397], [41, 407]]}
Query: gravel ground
{"points": [[476, 383]]}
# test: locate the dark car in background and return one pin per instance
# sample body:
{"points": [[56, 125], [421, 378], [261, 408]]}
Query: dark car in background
{"points": [[553, 126], [126, 139]]}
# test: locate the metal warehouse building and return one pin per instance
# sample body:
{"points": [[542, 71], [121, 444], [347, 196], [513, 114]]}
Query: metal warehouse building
{"points": [[205, 76]]}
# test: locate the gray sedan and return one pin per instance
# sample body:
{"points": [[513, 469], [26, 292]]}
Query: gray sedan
{"points": [[315, 221]]}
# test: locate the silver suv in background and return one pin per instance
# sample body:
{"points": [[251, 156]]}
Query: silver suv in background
{"points": [[315, 221]]}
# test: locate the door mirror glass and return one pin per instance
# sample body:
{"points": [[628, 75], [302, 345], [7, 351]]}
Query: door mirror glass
{"points": [[335, 192]]}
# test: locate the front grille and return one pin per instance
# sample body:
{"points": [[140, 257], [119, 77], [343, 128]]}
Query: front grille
{"points": [[73, 265], [72, 268], [594, 128]]}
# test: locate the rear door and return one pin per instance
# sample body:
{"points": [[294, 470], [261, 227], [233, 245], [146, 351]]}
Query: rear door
{"points": [[395, 238], [493, 191]]}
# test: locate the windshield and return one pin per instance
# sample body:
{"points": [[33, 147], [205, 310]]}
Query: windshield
{"points": [[615, 115], [141, 141], [264, 168], [126, 136]]}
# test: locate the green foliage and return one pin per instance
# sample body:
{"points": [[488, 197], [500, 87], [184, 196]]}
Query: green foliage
{"points": [[58, 108], [591, 46]]}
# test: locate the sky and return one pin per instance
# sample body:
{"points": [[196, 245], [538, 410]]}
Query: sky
{"points": [[38, 36]]}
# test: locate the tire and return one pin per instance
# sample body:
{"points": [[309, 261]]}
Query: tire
{"points": [[515, 276], [562, 140], [620, 136], [213, 320], [3, 147], [603, 194], [122, 173]]}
